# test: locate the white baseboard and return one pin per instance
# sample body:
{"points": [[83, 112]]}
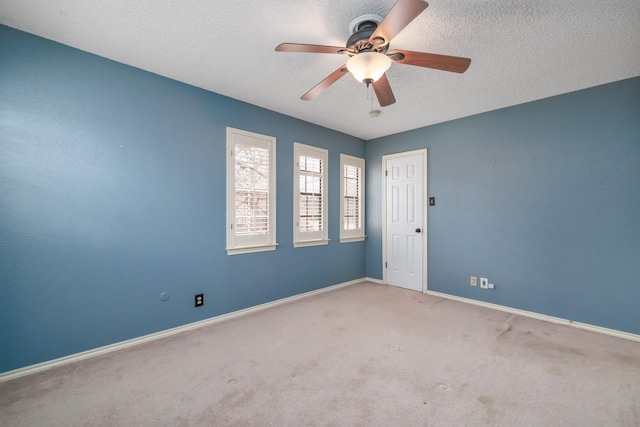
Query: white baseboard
{"points": [[588, 327], [32, 369]]}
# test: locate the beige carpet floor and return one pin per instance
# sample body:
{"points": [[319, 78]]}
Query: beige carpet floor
{"points": [[365, 355]]}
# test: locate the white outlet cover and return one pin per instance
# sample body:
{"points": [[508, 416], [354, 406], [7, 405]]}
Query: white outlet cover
{"points": [[484, 282]]}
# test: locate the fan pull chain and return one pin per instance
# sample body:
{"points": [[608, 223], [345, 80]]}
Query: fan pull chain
{"points": [[370, 95], [372, 113]]}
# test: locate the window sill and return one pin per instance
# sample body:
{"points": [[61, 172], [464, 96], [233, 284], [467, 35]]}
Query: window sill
{"points": [[251, 249], [352, 239], [305, 243]]}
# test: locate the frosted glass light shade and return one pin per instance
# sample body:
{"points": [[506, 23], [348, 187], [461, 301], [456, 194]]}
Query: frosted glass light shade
{"points": [[367, 67]]}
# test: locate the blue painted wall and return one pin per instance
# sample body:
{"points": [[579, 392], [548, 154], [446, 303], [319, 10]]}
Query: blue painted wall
{"points": [[112, 191], [541, 198]]}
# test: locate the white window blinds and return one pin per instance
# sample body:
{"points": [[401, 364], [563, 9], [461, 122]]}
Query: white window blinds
{"points": [[351, 198], [351, 218], [311, 212], [310, 195], [251, 192]]}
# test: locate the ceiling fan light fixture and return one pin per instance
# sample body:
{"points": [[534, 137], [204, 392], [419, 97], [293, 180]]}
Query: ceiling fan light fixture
{"points": [[367, 67]]}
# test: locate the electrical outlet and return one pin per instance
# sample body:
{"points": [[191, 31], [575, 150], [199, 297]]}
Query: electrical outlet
{"points": [[199, 300], [491, 286], [473, 281], [484, 282]]}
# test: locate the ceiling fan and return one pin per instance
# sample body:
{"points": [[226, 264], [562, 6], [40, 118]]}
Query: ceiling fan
{"points": [[369, 54]]}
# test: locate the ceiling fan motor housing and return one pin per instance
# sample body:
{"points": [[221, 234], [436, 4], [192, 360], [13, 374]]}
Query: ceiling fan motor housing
{"points": [[361, 30]]}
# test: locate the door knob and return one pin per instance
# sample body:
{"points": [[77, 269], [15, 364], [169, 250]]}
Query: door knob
{"points": [[418, 230]]}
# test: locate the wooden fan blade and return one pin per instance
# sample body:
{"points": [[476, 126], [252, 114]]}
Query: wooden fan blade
{"points": [[455, 64], [328, 81], [310, 48], [400, 15], [383, 91]]}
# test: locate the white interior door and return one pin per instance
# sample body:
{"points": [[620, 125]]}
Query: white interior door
{"points": [[405, 220]]}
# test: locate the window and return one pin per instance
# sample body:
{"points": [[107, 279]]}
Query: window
{"points": [[310, 196], [251, 192], [351, 198]]}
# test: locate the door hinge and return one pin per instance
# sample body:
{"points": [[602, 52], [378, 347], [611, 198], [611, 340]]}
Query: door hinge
{"points": [[385, 264], [386, 173]]}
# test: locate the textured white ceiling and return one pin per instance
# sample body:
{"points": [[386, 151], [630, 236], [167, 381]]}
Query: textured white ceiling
{"points": [[521, 50]]}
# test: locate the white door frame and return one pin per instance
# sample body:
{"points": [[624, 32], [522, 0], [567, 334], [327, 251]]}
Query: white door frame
{"points": [[423, 153]]}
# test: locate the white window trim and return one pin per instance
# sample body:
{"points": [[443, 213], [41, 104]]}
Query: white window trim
{"points": [[357, 235], [242, 245], [302, 239]]}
